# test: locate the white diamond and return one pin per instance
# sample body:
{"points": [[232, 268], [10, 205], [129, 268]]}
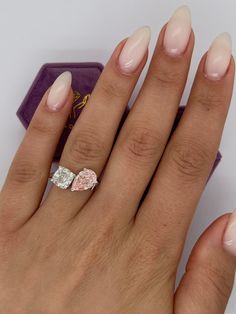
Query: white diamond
{"points": [[63, 177]]}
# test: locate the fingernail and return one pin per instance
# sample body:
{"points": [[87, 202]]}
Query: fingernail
{"points": [[218, 57], [134, 49], [230, 235], [59, 91], [178, 31]]}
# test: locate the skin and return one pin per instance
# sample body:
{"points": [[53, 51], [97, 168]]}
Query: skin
{"points": [[111, 250]]}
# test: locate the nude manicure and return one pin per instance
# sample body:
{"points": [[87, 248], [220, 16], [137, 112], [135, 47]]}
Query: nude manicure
{"points": [[218, 57], [178, 31], [59, 91], [230, 235], [134, 49]]}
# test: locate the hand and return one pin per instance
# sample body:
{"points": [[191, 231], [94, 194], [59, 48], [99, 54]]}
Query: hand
{"points": [[111, 250]]}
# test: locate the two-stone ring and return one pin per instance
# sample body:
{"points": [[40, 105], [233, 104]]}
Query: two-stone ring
{"points": [[64, 178]]}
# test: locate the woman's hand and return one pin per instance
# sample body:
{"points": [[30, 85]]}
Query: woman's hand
{"points": [[113, 250]]}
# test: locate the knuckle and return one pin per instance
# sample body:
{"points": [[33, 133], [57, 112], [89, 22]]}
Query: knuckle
{"points": [[42, 126], [111, 89], [209, 100], [219, 282], [86, 146], [23, 172], [215, 279], [167, 77], [190, 159], [142, 144]]}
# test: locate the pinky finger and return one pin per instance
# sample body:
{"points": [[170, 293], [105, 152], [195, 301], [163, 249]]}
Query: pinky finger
{"points": [[206, 286], [27, 177]]}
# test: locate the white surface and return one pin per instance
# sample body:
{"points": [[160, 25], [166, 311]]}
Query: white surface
{"points": [[35, 32]]}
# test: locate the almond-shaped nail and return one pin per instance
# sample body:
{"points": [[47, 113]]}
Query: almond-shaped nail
{"points": [[218, 57], [230, 235], [178, 31], [59, 91], [134, 49]]}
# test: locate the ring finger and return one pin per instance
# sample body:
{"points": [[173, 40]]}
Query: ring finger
{"points": [[92, 137], [146, 130]]}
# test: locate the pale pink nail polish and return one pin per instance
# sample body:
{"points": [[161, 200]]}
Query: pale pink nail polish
{"points": [[218, 57], [230, 235], [59, 91], [178, 31], [134, 49]]}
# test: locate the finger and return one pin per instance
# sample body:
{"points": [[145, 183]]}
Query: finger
{"points": [[230, 235], [28, 175], [207, 283], [146, 130], [190, 154], [92, 137]]}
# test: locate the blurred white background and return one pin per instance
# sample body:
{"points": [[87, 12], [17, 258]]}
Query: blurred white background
{"points": [[36, 32]]}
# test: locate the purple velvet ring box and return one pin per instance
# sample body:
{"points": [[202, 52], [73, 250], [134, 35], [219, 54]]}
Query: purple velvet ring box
{"points": [[85, 76]]}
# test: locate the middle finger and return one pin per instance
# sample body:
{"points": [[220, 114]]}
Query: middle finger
{"points": [[144, 135]]}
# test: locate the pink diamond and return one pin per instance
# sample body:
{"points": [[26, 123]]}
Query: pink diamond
{"points": [[85, 180]]}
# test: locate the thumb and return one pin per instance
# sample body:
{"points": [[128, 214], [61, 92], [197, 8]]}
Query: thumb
{"points": [[209, 277]]}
